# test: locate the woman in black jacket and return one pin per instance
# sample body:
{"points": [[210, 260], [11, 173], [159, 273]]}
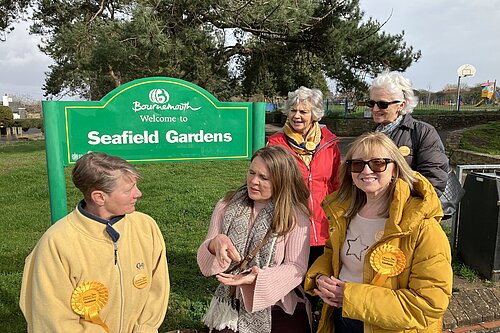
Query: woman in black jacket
{"points": [[391, 102]]}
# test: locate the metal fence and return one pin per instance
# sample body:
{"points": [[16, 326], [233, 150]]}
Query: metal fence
{"points": [[356, 109]]}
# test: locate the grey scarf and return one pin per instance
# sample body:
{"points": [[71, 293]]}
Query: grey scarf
{"points": [[387, 129]]}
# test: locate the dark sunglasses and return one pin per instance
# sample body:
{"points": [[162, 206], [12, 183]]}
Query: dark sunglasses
{"points": [[375, 164], [381, 104]]}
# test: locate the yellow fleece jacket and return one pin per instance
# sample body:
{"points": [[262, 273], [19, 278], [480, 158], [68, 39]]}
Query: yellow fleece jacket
{"points": [[414, 300], [76, 250]]}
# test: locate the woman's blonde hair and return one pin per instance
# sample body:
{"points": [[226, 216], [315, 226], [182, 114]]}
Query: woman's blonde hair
{"points": [[289, 192], [366, 144]]}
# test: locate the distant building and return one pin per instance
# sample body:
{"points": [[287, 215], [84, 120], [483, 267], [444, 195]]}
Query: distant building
{"points": [[34, 115], [18, 110], [6, 99]]}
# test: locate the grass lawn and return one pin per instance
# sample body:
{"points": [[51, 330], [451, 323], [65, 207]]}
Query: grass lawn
{"points": [[180, 196], [484, 139]]}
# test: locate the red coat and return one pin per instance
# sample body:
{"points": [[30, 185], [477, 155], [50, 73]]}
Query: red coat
{"points": [[321, 178]]}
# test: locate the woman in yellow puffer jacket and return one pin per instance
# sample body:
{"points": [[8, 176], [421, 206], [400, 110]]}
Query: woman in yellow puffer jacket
{"points": [[387, 263]]}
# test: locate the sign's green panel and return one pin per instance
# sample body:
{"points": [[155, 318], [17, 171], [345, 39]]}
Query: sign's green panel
{"points": [[158, 119]]}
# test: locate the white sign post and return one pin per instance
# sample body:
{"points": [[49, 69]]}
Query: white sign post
{"points": [[463, 71]]}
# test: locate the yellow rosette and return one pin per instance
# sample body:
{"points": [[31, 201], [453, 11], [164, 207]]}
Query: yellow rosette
{"points": [[88, 299], [387, 260]]}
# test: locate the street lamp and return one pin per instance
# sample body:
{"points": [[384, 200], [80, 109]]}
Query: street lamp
{"points": [[463, 71]]}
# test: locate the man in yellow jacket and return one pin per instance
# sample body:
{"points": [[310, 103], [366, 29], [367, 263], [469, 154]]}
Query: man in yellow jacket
{"points": [[405, 275], [102, 268]]}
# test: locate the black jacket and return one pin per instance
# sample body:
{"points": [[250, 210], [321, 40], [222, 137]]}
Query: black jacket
{"points": [[427, 153]]}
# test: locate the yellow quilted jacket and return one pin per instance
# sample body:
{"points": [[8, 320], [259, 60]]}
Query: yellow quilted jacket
{"points": [[417, 298]]}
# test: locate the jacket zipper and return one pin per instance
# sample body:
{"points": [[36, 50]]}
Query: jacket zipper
{"points": [[311, 204], [117, 263], [115, 247], [309, 185]]}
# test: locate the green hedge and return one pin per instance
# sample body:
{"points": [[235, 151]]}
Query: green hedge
{"points": [[26, 124]]}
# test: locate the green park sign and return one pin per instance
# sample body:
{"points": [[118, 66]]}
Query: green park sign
{"points": [[155, 119]]}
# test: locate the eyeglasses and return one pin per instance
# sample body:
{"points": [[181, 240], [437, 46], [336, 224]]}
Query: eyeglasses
{"points": [[375, 164], [381, 104]]}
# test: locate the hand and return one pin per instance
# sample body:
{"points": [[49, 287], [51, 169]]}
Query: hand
{"points": [[224, 250], [331, 290], [246, 277]]}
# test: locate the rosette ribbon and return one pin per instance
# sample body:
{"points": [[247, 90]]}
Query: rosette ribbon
{"points": [[88, 299]]}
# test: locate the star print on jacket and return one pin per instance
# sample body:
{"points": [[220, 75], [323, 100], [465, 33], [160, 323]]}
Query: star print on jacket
{"points": [[355, 247]]}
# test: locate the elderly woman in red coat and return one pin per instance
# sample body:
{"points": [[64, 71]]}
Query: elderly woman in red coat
{"points": [[317, 154]]}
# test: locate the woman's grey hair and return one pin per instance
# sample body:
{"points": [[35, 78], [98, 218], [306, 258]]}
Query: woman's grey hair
{"points": [[399, 86], [313, 97]]}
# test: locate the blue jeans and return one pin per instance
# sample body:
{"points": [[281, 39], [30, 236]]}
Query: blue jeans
{"points": [[346, 325]]}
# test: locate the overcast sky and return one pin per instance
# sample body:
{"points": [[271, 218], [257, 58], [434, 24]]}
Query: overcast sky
{"points": [[22, 65], [449, 33]]}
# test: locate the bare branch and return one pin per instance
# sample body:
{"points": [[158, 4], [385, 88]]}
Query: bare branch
{"points": [[99, 12], [379, 28], [115, 78], [271, 13]]}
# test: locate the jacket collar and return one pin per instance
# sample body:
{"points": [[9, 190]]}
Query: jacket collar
{"points": [[408, 121], [408, 208], [113, 234]]}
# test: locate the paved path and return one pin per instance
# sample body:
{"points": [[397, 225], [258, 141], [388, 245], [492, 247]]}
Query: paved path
{"points": [[474, 307]]}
